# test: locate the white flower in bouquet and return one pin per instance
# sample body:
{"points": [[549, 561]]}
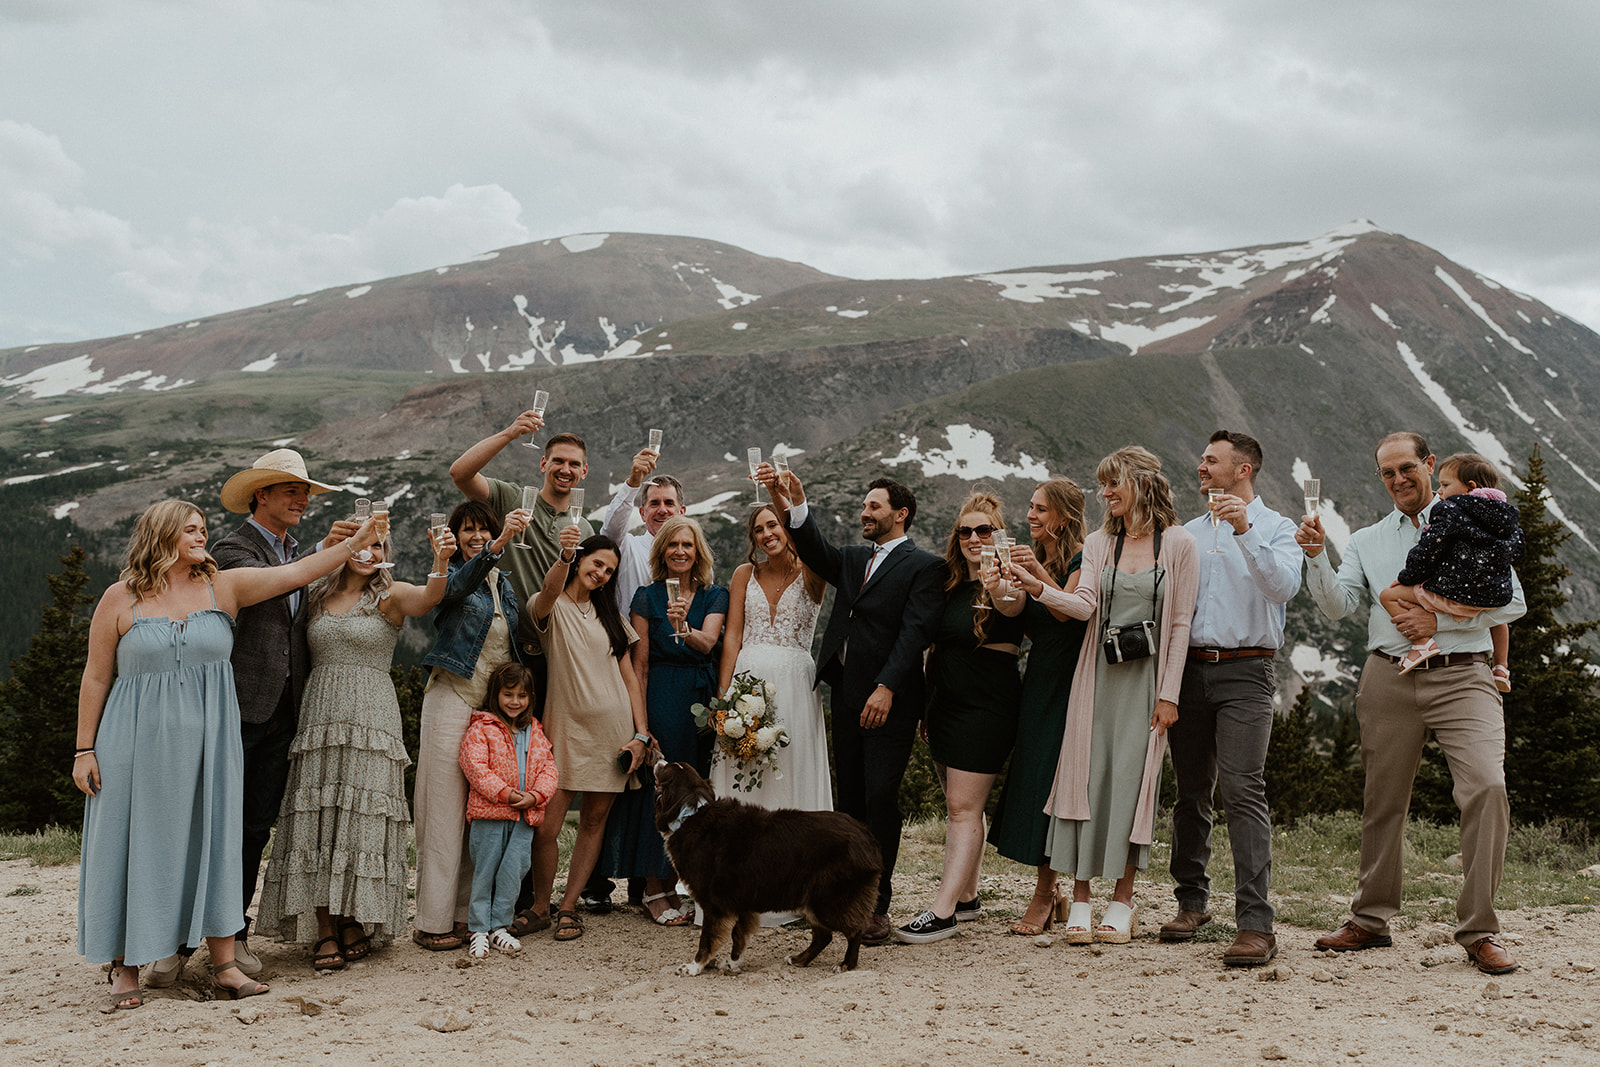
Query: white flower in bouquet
{"points": [[769, 692], [733, 727], [767, 736], [750, 707]]}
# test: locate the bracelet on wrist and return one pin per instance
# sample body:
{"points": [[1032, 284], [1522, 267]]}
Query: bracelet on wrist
{"points": [[643, 739], [83, 752], [568, 560]]}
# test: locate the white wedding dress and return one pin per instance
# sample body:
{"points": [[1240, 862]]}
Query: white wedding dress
{"points": [[777, 649]]}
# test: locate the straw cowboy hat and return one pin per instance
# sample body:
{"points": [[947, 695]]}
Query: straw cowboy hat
{"points": [[279, 465]]}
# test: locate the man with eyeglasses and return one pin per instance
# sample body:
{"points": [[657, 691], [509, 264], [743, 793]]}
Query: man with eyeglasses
{"points": [[1219, 742], [1451, 697], [663, 498]]}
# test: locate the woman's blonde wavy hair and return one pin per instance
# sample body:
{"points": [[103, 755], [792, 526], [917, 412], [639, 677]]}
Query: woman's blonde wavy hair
{"points": [[153, 549], [373, 590], [704, 571], [1151, 507], [982, 502]]}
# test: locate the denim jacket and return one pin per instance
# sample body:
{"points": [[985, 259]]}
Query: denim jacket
{"points": [[463, 616]]}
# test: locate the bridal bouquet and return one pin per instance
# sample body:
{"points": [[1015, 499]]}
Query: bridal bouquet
{"points": [[745, 721]]}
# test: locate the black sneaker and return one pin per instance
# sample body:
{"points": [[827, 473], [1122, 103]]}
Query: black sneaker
{"points": [[926, 927], [595, 905], [967, 910]]}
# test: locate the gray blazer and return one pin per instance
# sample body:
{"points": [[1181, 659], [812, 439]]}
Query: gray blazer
{"points": [[269, 644]]}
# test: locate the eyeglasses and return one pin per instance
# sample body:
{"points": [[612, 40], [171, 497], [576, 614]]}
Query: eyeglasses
{"points": [[1406, 471], [964, 532]]}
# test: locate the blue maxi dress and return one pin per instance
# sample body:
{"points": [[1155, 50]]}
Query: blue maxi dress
{"points": [[162, 841]]}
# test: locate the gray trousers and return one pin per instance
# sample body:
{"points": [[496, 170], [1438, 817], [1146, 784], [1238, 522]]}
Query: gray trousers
{"points": [[1219, 744]]}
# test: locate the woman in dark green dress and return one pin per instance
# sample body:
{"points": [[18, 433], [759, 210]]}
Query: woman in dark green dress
{"points": [[1055, 524], [973, 695]]}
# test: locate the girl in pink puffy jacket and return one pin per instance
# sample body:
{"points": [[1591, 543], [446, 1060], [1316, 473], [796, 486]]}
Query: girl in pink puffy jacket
{"points": [[512, 775]]}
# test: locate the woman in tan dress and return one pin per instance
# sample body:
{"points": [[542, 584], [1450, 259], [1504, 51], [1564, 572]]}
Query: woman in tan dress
{"points": [[594, 712]]}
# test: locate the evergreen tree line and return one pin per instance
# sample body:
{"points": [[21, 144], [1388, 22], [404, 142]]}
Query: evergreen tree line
{"points": [[1313, 767]]}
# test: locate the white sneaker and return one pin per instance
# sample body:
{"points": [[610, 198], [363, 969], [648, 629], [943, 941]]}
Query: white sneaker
{"points": [[248, 961], [502, 940], [480, 945]]}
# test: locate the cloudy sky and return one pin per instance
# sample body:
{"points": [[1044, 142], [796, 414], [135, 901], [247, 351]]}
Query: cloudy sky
{"points": [[164, 159]]}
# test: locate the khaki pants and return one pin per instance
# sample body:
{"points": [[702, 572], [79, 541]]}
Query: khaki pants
{"points": [[1460, 708], [444, 866]]}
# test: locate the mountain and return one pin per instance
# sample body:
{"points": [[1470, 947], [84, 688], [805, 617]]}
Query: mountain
{"points": [[1316, 347], [550, 303]]}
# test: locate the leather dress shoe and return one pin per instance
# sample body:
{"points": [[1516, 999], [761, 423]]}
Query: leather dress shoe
{"points": [[1491, 956], [877, 931], [1352, 938], [1251, 948], [1183, 927]]}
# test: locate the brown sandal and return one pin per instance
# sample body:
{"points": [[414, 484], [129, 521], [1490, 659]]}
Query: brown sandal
{"points": [[128, 999], [568, 926], [327, 961], [528, 922], [438, 942], [248, 989]]}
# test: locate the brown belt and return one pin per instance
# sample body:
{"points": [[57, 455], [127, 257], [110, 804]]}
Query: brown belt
{"points": [[1453, 659], [1217, 655]]}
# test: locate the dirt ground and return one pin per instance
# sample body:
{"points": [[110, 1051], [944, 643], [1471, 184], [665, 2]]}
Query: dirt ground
{"points": [[612, 997]]}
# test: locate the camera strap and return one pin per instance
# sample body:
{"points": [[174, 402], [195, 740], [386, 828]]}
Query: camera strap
{"points": [[1116, 558]]}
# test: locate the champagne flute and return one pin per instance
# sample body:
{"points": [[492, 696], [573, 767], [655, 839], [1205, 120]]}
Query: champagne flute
{"points": [[1313, 488], [438, 526], [363, 513], [986, 558], [1212, 496], [530, 497], [380, 511], [673, 588], [655, 442], [575, 508], [1002, 556], [540, 399], [780, 463], [753, 457]]}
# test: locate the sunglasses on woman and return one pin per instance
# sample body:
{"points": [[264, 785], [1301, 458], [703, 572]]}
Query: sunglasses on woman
{"points": [[964, 532]]}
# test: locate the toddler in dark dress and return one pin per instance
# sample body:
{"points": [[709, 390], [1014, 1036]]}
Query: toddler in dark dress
{"points": [[1461, 564]]}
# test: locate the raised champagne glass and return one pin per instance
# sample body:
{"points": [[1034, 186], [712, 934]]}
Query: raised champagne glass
{"points": [[674, 590], [1002, 556], [1212, 496], [530, 497], [363, 513], [753, 458], [655, 443], [540, 399], [1313, 489], [575, 508], [438, 526], [380, 511]]}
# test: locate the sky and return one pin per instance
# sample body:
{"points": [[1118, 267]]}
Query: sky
{"points": [[162, 160]]}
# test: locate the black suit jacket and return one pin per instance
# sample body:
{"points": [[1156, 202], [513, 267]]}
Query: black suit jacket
{"points": [[269, 643], [889, 622]]}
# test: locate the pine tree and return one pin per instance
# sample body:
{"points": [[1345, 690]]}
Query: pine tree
{"points": [[1553, 710], [39, 709], [1305, 775]]}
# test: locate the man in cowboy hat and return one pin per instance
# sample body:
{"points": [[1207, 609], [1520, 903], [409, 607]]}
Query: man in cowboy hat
{"points": [[270, 656]]}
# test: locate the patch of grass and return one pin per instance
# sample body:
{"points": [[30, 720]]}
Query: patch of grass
{"points": [[54, 846], [25, 891]]}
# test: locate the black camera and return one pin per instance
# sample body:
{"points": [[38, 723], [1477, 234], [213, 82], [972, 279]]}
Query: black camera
{"points": [[1123, 643]]}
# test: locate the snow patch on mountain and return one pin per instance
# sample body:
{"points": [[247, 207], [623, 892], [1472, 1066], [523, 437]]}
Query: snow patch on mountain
{"points": [[584, 242], [1482, 440], [970, 456], [1477, 309], [1035, 287], [1136, 336], [21, 479], [260, 366]]}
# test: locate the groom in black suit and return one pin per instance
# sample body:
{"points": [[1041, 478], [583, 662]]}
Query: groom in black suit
{"points": [[888, 593]]}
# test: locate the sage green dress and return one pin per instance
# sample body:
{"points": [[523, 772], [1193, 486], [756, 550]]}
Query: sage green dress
{"points": [[1124, 700]]}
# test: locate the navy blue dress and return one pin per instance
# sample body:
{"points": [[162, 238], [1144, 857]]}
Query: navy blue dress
{"points": [[679, 677]]}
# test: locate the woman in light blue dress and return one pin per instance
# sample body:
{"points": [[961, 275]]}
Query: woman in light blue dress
{"points": [[158, 751]]}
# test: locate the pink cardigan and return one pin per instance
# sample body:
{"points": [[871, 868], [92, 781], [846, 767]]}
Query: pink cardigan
{"points": [[488, 758], [1069, 796]]}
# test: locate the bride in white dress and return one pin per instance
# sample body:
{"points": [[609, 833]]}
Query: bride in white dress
{"points": [[772, 614]]}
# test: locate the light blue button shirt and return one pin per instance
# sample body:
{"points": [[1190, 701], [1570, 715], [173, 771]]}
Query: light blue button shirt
{"points": [[1371, 561], [285, 547], [1244, 587]]}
